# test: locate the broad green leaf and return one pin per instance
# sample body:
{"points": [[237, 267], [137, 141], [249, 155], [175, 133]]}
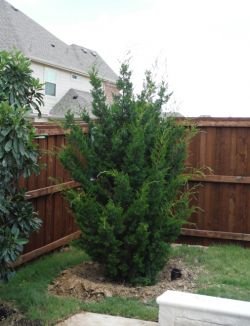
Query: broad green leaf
{"points": [[8, 146], [5, 131]]}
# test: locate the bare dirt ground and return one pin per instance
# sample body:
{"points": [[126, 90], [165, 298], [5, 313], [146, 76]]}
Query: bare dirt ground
{"points": [[88, 283]]}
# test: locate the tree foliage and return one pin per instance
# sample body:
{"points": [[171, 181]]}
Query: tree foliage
{"points": [[130, 166], [18, 157], [17, 85]]}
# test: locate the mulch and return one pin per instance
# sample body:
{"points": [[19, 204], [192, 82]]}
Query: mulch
{"points": [[88, 283]]}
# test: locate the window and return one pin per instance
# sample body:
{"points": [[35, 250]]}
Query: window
{"points": [[50, 89], [50, 81], [74, 76]]}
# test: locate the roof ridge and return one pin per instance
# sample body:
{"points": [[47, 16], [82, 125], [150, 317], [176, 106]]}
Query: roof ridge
{"points": [[76, 91], [33, 21], [81, 91], [81, 46], [75, 101], [36, 42]]}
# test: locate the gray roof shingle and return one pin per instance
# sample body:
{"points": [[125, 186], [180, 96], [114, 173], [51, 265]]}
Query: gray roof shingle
{"points": [[75, 101], [19, 31]]}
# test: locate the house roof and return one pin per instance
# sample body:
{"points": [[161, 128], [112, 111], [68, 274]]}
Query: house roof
{"points": [[19, 31], [75, 101]]}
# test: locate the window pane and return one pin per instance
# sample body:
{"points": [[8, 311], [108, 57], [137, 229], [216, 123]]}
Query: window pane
{"points": [[50, 75], [50, 89]]}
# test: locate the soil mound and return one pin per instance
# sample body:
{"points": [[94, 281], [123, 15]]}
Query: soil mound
{"points": [[88, 283]]}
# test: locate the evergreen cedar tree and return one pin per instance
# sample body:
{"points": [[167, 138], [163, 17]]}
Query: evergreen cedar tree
{"points": [[131, 204], [19, 93]]}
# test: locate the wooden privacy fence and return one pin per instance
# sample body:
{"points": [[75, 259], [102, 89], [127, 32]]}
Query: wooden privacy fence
{"points": [[224, 197], [45, 192]]}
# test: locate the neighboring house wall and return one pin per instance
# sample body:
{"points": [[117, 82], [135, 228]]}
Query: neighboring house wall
{"points": [[109, 90], [45, 50], [63, 80]]}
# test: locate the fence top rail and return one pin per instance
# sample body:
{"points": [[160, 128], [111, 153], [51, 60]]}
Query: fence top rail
{"points": [[52, 127], [49, 129], [217, 122]]}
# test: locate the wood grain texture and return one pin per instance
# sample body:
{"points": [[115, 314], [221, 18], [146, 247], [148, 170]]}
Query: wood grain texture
{"points": [[45, 191], [221, 147], [51, 189], [222, 179], [216, 234], [45, 249], [216, 122]]}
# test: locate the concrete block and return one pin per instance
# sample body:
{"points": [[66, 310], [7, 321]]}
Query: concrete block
{"points": [[188, 309], [91, 319]]}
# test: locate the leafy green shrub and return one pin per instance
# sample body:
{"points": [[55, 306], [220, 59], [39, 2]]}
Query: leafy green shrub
{"points": [[131, 169], [17, 85], [18, 157]]}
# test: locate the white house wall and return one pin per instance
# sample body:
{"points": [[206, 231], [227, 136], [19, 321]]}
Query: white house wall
{"points": [[64, 82]]}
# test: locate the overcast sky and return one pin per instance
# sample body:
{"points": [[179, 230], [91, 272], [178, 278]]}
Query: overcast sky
{"points": [[202, 46]]}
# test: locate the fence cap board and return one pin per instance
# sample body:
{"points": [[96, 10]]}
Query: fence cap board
{"points": [[216, 122], [50, 129]]}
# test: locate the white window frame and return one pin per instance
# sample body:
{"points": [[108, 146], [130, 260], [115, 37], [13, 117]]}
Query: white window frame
{"points": [[50, 77]]}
